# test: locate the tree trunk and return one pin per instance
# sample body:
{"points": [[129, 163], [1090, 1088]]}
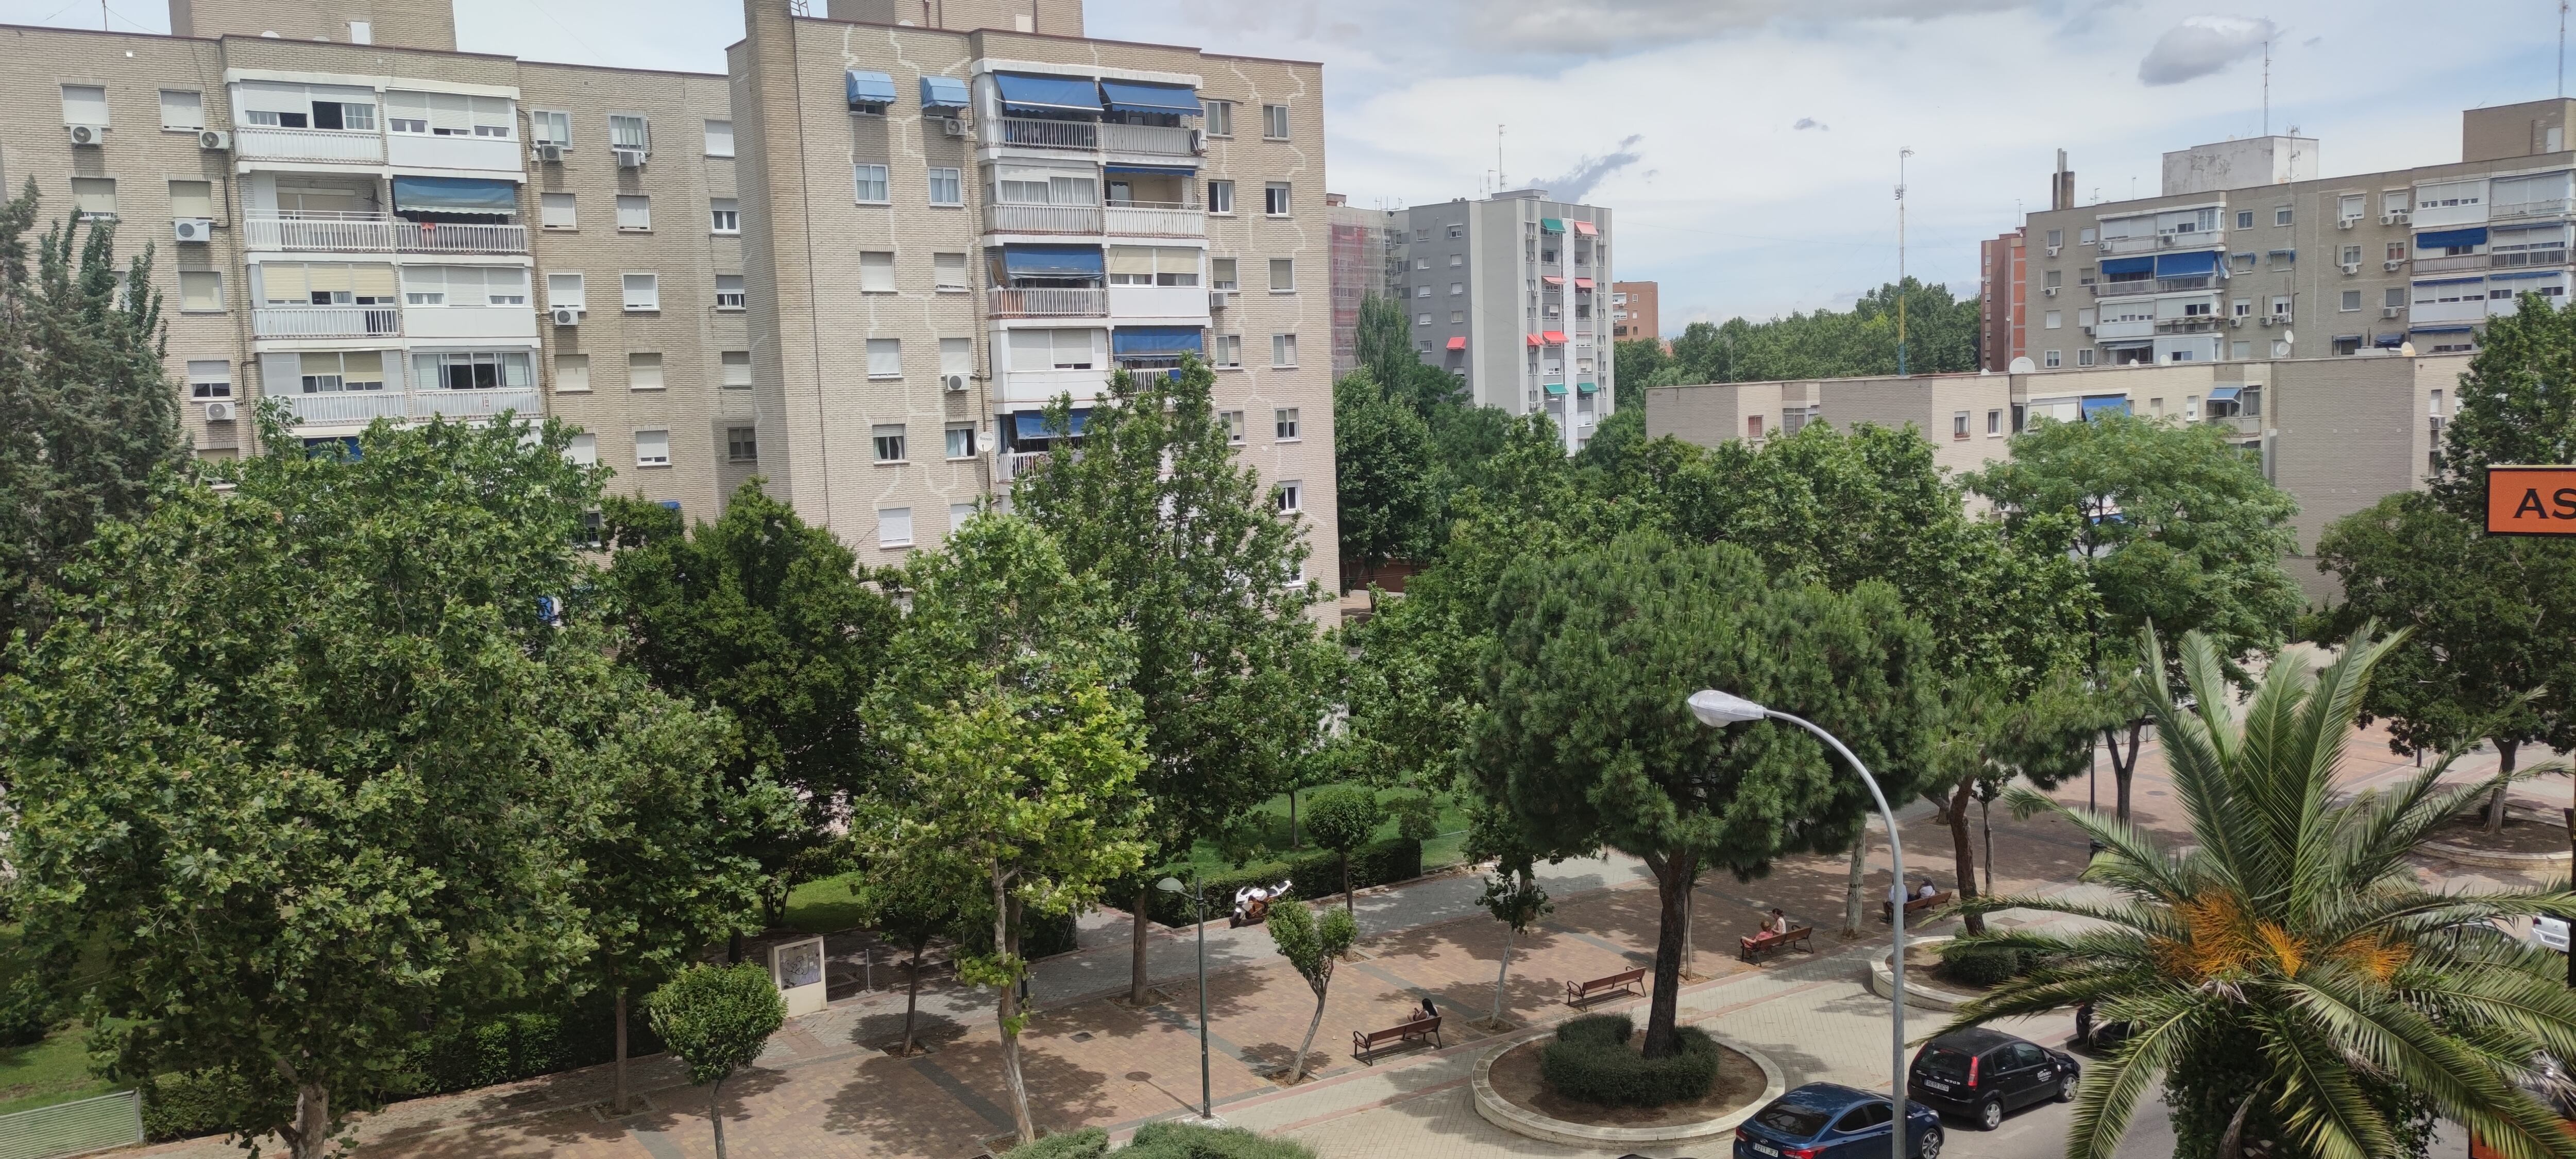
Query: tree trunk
{"points": [[1509, 932], [620, 1103], [1965, 851], [1008, 1017], [1136, 970], [1293, 843], [1690, 912], [1672, 890], [1346, 881], [2504, 766], [715, 1115], [733, 949], [1851, 890], [312, 1122], [1303, 1048], [911, 1002], [1986, 825], [2124, 767]]}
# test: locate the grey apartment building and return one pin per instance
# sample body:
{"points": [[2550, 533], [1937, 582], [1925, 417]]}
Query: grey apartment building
{"points": [[855, 265], [2249, 254]]}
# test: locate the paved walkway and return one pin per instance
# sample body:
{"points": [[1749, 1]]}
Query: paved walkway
{"points": [[825, 1087]]}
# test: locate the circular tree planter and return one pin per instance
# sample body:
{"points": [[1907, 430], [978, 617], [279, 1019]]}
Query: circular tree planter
{"points": [[1512, 1104], [2475, 849], [1920, 989]]}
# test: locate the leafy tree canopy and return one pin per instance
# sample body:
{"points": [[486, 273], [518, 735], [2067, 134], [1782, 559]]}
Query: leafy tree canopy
{"points": [[1940, 338]]}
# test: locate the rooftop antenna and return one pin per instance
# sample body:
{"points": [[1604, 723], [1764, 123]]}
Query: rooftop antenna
{"points": [[1499, 179], [2562, 49], [2267, 85], [1901, 154]]}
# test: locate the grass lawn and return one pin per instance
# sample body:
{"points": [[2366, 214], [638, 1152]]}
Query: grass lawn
{"points": [[53, 1071], [823, 907]]}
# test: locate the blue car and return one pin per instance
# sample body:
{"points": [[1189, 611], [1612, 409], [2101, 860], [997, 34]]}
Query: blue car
{"points": [[1832, 1121]]}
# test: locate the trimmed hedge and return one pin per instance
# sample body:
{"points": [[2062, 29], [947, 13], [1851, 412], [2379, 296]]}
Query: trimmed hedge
{"points": [[179, 1106], [1982, 964], [1171, 1140], [1316, 873], [1590, 1061]]}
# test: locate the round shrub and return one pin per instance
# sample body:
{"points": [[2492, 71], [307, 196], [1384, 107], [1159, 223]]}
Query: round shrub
{"points": [[1982, 964], [1166, 1139], [1590, 1061], [1087, 1143]]}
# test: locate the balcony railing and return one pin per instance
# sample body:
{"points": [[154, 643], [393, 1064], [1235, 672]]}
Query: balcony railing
{"points": [[1169, 140], [326, 322], [348, 408], [2131, 328], [2195, 325], [1045, 134], [1009, 465], [2452, 262], [453, 237], [1157, 218], [2195, 239], [1049, 302], [2521, 258], [379, 233], [270, 143], [2154, 286], [1008, 218], [2546, 207]]}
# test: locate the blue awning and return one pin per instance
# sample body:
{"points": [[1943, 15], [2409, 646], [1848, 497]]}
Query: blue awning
{"points": [[869, 88], [2283, 253], [1165, 170], [2446, 238], [1154, 341], [1022, 92], [2532, 274], [455, 195], [2105, 404], [2442, 282], [1135, 96], [944, 92], [2186, 265], [2443, 329], [2389, 341], [1031, 424], [2223, 393], [1053, 261], [2128, 266]]}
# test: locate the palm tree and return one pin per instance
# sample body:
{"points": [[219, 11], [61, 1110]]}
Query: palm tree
{"points": [[2297, 988]]}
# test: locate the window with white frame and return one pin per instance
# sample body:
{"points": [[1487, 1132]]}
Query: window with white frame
{"points": [[876, 271], [1233, 423], [869, 183], [961, 440], [213, 378], [1994, 423], [1225, 351], [556, 211], [1456, 288], [1289, 496], [719, 138], [1283, 350], [2281, 215], [889, 441], [1220, 118], [1274, 198], [85, 105], [550, 127], [947, 186], [1284, 424], [584, 451], [948, 272], [183, 109], [728, 291], [885, 358], [333, 371], [742, 444], [644, 370], [627, 131], [724, 215], [2351, 300], [956, 356], [1221, 273], [1958, 424], [1283, 275], [1274, 122], [634, 212], [572, 373], [94, 198], [958, 515], [201, 291], [1063, 349], [734, 369], [1220, 198], [1137, 265], [2053, 359], [2084, 357], [894, 527], [447, 115], [643, 292], [653, 448], [1422, 319], [470, 370], [566, 291], [465, 285]]}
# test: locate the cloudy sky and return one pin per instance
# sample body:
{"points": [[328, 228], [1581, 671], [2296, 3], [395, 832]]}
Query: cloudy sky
{"points": [[1750, 146]]}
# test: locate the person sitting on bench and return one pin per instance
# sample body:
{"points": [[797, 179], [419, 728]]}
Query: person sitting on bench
{"points": [[1429, 1010], [1928, 891], [1778, 923]]}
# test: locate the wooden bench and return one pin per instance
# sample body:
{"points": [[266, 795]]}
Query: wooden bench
{"points": [[1887, 910], [1625, 981], [1364, 1045], [1754, 947]]}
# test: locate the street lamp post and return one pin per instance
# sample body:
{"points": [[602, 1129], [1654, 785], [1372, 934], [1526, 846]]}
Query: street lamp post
{"points": [[1198, 909], [1719, 709]]}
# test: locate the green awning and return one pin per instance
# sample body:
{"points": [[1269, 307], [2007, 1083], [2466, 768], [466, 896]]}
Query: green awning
{"points": [[1555, 388], [1585, 388], [1552, 224]]}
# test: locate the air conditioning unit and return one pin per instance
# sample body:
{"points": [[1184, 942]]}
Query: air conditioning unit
{"points": [[2273, 319], [220, 411], [2237, 321], [2352, 267], [2048, 292], [565, 315], [2391, 311], [629, 158], [214, 140], [2347, 223], [2106, 247], [87, 134], [952, 126], [1198, 141], [2052, 250], [1220, 299], [2392, 263], [952, 382], [2395, 217], [550, 153], [2088, 331], [196, 229]]}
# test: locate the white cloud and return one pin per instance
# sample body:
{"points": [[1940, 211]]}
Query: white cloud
{"points": [[2202, 45]]}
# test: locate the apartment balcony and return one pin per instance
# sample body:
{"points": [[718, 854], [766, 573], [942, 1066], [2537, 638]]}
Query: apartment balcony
{"points": [[497, 154], [2196, 239], [2547, 207], [1048, 302], [2429, 313], [2134, 328], [1182, 303], [2202, 324], [378, 233], [326, 322], [1156, 218], [2524, 258], [1161, 140], [1010, 218], [1038, 133], [359, 407], [503, 325], [2452, 262], [2440, 216], [343, 146], [1009, 465], [2154, 286]]}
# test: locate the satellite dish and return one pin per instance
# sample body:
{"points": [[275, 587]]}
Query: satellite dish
{"points": [[2023, 365], [2289, 336], [2406, 350]]}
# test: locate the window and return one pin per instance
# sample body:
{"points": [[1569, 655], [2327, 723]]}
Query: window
{"points": [[956, 356], [1033, 350], [961, 440], [465, 285], [546, 127], [84, 105], [2395, 298], [584, 451], [947, 187], [948, 272], [572, 373], [1221, 274], [1753, 426], [555, 211], [742, 444], [469, 370], [1283, 274], [214, 379], [2352, 255], [94, 198], [1285, 421], [1233, 421], [1457, 229], [2281, 215], [2053, 320], [1274, 122], [1959, 425], [2056, 238], [728, 291], [870, 181], [719, 138], [885, 358], [430, 114], [2242, 263], [1994, 423], [734, 368], [2085, 236], [2351, 299], [1422, 319], [643, 292], [653, 448], [1136, 265], [724, 215], [2191, 407], [2244, 219], [1220, 118], [1457, 260], [644, 371], [192, 199], [2249, 402], [1421, 263], [183, 109], [1457, 287], [2053, 359], [627, 132], [2349, 207], [1289, 496], [634, 212], [2084, 317], [889, 439], [1457, 317], [565, 290], [1274, 198], [1422, 292], [1283, 350], [201, 291], [959, 514], [1221, 198], [894, 527], [2242, 307], [327, 372], [2281, 306], [2055, 279], [1225, 351], [2084, 357], [876, 272], [2396, 251]]}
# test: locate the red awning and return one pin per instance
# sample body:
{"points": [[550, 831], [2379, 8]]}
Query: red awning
{"points": [[1458, 343], [1552, 279], [1583, 283], [1554, 337], [1585, 228], [1533, 340]]}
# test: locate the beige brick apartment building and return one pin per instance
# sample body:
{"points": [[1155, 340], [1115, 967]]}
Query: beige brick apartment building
{"points": [[856, 266]]}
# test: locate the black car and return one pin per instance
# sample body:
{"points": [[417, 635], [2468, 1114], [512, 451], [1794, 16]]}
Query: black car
{"points": [[1978, 1074]]}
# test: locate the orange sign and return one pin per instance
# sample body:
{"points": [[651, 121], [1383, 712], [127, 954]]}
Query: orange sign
{"points": [[2531, 500]]}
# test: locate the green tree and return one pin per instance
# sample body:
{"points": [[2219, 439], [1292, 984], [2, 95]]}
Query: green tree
{"points": [[302, 757], [87, 415], [1512, 892], [770, 619], [1995, 731], [912, 904], [1341, 818], [2297, 986], [1313, 947], [1382, 480], [2516, 405], [717, 1019], [1635, 362], [2171, 526], [1585, 737], [2488, 618], [1197, 567], [1940, 338], [1019, 749]]}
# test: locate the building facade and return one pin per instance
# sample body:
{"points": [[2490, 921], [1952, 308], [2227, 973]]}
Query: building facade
{"points": [[2000, 264], [1360, 268], [2248, 255], [855, 266], [1635, 311]]}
